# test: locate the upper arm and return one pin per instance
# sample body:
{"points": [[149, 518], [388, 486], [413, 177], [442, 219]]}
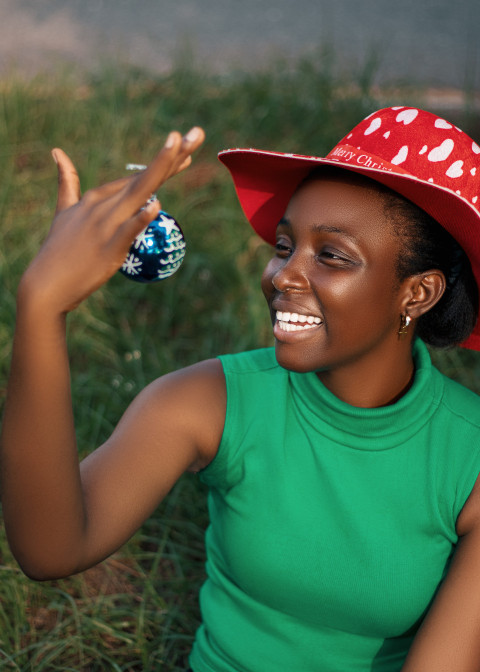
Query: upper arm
{"points": [[449, 638], [174, 425]]}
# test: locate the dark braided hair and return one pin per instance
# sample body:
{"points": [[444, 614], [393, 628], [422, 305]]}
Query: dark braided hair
{"points": [[426, 245]]}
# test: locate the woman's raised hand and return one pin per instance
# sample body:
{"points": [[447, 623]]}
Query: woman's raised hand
{"points": [[90, 235], [60, 518]]}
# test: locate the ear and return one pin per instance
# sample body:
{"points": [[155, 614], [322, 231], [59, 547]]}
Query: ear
{"points": [[422, 292]]}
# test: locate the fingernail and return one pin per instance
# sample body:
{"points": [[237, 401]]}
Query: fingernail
{"points": [[152, 203], [54, 156], [192, 134], [170, 141]]}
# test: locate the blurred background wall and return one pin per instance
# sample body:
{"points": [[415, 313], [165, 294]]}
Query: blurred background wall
{"points": [[422, 42]]}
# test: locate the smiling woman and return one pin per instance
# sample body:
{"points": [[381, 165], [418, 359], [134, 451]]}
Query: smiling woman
{"points": [[336, 259], [348, 243], [342, 466]]}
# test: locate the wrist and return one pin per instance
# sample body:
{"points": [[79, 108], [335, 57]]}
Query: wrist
{"points": [[38, 300]]}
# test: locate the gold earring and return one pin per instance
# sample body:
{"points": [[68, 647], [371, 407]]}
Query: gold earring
{"points": [[404, 324]]}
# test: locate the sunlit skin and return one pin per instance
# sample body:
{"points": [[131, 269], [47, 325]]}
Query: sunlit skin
{"points": [[335, 260], [334, 265]]}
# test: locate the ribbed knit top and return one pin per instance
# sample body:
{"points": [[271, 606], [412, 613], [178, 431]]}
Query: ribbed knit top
{"points": [[331, 526]]}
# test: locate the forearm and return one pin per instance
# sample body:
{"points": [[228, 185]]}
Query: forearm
{"points": [[41, 489], [56, 526]]}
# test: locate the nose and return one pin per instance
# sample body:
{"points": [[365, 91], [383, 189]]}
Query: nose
{"points": [[291, 275]]}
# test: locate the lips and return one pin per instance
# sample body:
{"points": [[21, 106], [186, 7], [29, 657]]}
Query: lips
{"points": [[296, 321]]}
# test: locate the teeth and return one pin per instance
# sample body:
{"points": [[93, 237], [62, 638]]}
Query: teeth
{"points": [[305, 320], [296, 322], [288, 326]]}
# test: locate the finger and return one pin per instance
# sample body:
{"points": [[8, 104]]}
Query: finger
{"points": [[182, 166], [190, 143], [68, 181], [109, 189], [174, 155], [130, 228]]}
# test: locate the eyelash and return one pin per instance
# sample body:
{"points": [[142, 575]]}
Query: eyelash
{"points": [[282, 249], [279, 247], [332, 255]]}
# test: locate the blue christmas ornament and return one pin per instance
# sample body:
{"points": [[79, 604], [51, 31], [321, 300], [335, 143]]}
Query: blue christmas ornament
{"points": [[157, 252]]}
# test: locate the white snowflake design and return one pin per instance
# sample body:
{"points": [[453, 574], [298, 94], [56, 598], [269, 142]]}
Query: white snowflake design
{"points": [[169, 224], [132, 265], [144, 240]]}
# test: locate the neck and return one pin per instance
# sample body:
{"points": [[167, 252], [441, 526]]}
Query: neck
{"points": [[372, 384]]}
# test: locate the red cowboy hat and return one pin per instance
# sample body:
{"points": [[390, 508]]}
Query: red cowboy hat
{"points": [[417, 154]]}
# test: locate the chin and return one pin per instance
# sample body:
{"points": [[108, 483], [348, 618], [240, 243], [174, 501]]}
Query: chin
{"points": [[294, 363]]}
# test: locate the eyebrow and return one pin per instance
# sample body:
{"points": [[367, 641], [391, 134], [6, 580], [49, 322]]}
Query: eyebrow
{"points": [[320, 228]]}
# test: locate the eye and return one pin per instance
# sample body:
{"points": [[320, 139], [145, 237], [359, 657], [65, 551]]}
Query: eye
{"points": [[335, 257], [283, 248]]}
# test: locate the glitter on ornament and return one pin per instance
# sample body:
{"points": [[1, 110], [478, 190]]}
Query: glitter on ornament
{"points": [[157, 252]]}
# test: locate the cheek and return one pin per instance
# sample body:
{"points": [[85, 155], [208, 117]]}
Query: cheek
{"points": [[267, 275], [357, 300], [343, 293]]}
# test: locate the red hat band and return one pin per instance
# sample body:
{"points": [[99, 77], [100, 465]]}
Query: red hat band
{"points": [[360, 157]]}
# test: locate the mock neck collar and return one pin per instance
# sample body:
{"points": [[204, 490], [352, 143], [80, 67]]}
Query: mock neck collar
{"points": [[372, 428]]}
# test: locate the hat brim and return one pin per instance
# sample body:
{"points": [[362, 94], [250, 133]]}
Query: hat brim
{"points": [[266, 181]]}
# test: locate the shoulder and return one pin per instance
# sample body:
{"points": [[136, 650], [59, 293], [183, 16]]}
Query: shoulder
{"points": [[469, 519], [193, 399], [255, 386], [466, 406], [207, 373], [459, 401], [201, 381], [251, 361], [463, 409], [251, 378]]}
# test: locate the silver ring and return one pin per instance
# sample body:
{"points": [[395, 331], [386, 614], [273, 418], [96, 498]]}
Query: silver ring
{"points": [[135, 166]]}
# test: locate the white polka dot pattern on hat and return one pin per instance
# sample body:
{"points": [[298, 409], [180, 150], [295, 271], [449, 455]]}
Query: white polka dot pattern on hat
{"points": [[442, 152], [425, 145], [401, 156], [407, 116], [441, 123], [374, 126]]}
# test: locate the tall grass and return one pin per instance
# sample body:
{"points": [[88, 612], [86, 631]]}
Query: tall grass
{"points": [[138, 611]]}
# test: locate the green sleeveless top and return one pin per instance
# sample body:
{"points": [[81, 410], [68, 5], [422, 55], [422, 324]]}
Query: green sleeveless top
{"points": [[331, 526]]}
